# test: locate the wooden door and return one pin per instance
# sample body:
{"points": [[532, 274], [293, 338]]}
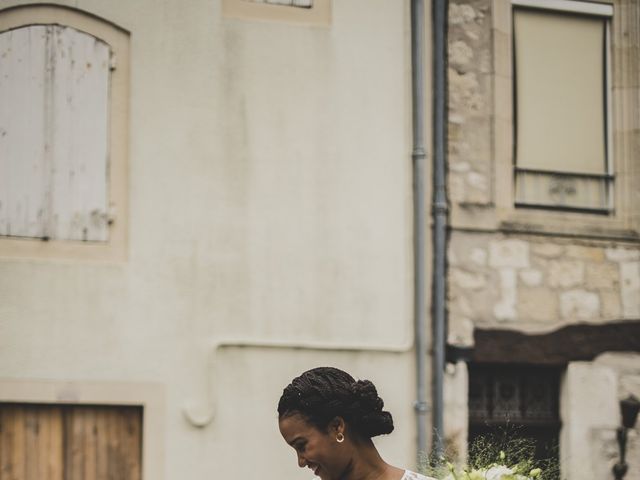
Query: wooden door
{"points": [[54, 442]]}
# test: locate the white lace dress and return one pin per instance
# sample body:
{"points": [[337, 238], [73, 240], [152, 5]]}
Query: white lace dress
{"points": [[409, 475]]}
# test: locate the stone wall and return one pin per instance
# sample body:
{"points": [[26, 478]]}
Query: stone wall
{"points": [[590, 414], [627, 369], [533, 283], [536, 284], [470, 103]]}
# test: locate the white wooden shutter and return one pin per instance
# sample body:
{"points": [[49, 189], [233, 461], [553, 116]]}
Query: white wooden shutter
{"points": [[23, 179], [54, 94]]}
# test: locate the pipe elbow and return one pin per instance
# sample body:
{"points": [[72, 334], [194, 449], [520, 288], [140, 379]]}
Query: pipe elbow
{"points": [[199, 415]]}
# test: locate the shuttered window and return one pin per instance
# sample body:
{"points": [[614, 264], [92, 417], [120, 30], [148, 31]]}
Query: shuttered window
{"points": [[64, 442], [561, 109], [54, 145]]}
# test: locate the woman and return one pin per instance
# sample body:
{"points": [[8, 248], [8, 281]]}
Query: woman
{"points": [[329, 419]]}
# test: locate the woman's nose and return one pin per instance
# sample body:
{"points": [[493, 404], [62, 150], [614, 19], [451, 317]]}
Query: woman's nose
{"points": [[302, 462]]}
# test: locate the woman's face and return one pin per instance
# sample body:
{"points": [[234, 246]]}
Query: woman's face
{"points": [[316, 449]]}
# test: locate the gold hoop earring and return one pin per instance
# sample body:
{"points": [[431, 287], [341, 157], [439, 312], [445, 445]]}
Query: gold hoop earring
{"points": [[339, 438]]}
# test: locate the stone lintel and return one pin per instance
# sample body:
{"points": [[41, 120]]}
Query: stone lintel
{"points": [[579, 342]]}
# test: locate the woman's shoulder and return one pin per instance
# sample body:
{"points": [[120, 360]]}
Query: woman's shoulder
{"points": [[409, 475]]}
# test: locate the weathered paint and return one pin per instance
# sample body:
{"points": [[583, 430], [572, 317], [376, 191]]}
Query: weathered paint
{"points": [[53, 137], [270, 198], [23, 180]]}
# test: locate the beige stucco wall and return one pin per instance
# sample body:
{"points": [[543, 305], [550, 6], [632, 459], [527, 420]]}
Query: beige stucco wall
{"points": [[270, 197]]}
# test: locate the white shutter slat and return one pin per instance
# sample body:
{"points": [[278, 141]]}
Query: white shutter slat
{"points": [[23, 176], [80, 157]]}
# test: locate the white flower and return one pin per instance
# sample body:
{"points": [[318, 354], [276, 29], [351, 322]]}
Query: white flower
{"points": [[497, 472]]}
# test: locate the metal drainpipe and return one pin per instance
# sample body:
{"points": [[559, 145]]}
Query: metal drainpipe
{"points": [[418, 156], [440, 209]]}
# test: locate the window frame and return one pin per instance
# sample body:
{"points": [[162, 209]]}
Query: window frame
{"points": [[500, 214], [575, 8], [115, 248], [491, 375], [149, 396]]}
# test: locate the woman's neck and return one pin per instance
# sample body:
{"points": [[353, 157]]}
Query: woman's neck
{"points": [[367, 464]]}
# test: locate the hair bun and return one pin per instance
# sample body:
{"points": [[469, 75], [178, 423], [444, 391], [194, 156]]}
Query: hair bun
{"points": [[367, 410], [365, 392]]}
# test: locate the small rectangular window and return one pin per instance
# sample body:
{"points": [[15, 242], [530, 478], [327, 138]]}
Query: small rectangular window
{"points": [[562, 157]]}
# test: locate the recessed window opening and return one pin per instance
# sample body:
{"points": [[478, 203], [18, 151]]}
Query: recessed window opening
{"points": [[515, 405], [562, 118]]}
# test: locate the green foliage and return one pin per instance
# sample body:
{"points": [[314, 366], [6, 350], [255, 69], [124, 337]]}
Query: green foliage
{"points": [[506, 448]]}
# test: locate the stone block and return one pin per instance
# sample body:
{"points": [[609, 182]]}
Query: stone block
{"points": [[547, 250], [539, 304], [502, 16], [452, 257], [531, 277], [460, 331], [620, 254], [467, 280], [630, 289], [464, 92], [602, 276], [565, 273], [624, 363], [478, 256], [478, 180], [588, 403], [503, 98], [454, 119], [580, 252], [509, 253], [476, 147], [503, 135], [611, 305], [460, 54], [505, 308], [460, 14], [485, 61], [579, 305], [459, 167], [462, 305], [469, 249], [502, 49], [456, 188], [477, 196]]}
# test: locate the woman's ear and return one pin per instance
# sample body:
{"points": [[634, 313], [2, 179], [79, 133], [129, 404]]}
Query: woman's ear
{"points": [[337, 425]]}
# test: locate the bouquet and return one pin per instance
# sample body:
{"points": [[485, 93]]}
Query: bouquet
{"points": [[495, 458], [494, 472]]}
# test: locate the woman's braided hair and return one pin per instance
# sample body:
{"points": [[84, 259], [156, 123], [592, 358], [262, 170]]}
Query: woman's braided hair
{"points": [[323, 393]]}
